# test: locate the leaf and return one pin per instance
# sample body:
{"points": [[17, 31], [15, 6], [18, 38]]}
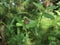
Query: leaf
{"points": [[52, 7], [19, 24], [58, 3], [39, 6], [58, 23], [48, 15], [31, 24], [51, 38], [58, 12]]}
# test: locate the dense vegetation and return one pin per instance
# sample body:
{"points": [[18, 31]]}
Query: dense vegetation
{"points": [[29, 22]]}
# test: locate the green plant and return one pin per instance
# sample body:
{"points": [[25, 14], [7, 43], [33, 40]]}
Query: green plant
{"points": [[28, 22]]}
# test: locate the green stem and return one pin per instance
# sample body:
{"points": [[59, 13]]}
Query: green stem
{"points": [[18, 31]]}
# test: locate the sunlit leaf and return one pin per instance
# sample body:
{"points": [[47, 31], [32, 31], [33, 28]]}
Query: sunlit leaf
{"points": [[31, 24]]}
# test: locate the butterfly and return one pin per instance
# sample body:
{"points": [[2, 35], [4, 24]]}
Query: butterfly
{"points": [[26, 21]]}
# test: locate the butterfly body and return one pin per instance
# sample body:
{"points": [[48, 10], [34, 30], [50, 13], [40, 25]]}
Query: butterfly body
{"points": [[26, 21]]}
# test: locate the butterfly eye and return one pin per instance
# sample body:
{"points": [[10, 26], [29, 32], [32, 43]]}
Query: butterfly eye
{"points": [[26, 21]]}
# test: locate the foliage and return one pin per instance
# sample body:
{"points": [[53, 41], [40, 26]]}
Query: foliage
{"points": [[28, 22]]}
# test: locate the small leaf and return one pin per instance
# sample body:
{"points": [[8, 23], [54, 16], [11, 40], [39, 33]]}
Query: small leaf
{"points": [[19, 24], [39, 6]]}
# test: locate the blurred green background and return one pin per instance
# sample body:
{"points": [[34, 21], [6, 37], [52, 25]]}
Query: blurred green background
{"points": [[29, 22]]}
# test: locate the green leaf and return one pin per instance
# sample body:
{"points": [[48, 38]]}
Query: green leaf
{"points": [[31, 24], [51, 38], [19, 24], [52, 7], [39, 6], [48, 15], [58, 13], [58, 3]]}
